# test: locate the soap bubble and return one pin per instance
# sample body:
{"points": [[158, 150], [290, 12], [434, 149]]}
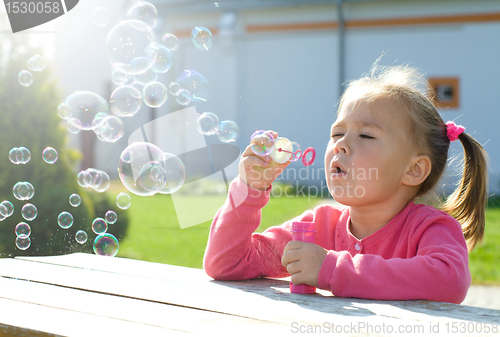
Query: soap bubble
{"points": [[110, 129], [25, 78], [143, 166], [100, 16], [143, 11], [195, 83], [84, 178], [81, 237], [85, 105], [25, 155], [202, 38], [50, 155], [125, 101], [145, 78], [3, 212], [75, 200], [174, 87], [106, 244], [23, 229], [207, 123], [23, 242], [170, 41], [154, 94], [23, 190], [183, 97], [119, 75], [74, 126], [175, 172], [264, 137], [164, 57], [37, 63], [6, 208], [99, 180], [64, 111], [13, 155], [228, 131], [110, 217], [282, 156], [132, 161], [65, 220], [19, 155], [126, 46], [29, 212], [99, 226], [152, 177], [123, 201]]}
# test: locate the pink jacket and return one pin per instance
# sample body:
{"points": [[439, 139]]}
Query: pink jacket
{"points": [[420, 254]]}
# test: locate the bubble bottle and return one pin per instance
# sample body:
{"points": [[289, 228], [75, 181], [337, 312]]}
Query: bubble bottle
{"points": [[305, 232]]}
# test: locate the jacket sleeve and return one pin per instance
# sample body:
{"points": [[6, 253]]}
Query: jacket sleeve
{"points": [[438, 272], [233, 251]]}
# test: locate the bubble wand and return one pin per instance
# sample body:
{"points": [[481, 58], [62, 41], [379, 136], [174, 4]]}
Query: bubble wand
{"points": [[281, 149]]}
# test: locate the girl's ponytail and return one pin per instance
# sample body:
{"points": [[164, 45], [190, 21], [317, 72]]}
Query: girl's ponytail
{"points": [[468, 202]]}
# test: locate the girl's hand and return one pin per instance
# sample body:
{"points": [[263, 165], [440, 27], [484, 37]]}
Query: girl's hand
{"points": [[303, 261], [256, 171]]}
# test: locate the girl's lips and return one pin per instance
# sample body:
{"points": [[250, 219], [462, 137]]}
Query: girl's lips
{"points": [[337, 171]]}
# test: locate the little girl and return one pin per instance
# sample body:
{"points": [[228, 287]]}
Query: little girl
{"points": [[381, 244]]}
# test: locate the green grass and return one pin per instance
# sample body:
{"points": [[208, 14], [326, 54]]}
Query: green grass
{"points": [[154, 233], [484, 259]]}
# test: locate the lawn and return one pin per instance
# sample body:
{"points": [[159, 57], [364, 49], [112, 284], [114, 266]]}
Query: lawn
{"points": [[154, 233]]}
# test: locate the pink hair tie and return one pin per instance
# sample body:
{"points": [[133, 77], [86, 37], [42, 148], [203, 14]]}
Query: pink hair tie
{"points": [[453, 131]]}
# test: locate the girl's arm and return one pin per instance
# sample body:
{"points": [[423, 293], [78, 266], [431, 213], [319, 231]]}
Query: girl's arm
{"points": [[233, 251], [438, 272]]}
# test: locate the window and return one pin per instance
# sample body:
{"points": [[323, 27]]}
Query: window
{"points": [[445, 91]]}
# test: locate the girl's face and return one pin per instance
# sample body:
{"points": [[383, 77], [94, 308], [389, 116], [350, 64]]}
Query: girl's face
{"points": [[367, 154]]}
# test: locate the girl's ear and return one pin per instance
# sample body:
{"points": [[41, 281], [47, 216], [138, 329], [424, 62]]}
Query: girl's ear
{"points": [[418, 171]]}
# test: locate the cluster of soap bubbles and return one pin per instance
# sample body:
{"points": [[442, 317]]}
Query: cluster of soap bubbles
{"points": [[35, 63], [280, 149], [85, 110], [19, 155], [104, 243], [23, 232], [23, 190], [144, 169], [94, 178], [208, 124], [6, 209]]}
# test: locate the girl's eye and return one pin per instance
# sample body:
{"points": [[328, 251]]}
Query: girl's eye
{"points": [[366, 136], [337, 135]]}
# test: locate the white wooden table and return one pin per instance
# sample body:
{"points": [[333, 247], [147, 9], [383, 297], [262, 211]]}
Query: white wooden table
{"points": [[89, 295]]}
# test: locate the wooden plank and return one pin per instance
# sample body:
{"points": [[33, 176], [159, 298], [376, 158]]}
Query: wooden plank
{"points": [[266, 299], [10, 330], [152, 315], [50, 320]]}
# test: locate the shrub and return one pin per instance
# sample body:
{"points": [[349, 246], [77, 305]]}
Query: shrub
{"points": [[29, 118]]}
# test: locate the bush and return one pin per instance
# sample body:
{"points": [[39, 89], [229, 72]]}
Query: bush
{"points": [[29, 118]]}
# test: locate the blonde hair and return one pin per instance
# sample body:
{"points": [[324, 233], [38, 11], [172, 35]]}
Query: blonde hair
{"points": [[409, 90]]}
